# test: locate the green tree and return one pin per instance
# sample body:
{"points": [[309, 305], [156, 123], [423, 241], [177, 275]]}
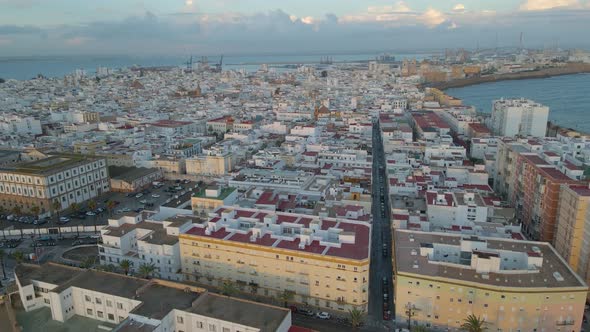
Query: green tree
{"points": [[92, 206], [125, 265], [146, 270], [228, 288], [18, 256], [473, 324], [87, 263], [56, 206], [286, 296], [356, 317]]}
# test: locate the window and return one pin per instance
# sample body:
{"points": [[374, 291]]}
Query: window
{"points": [[225, 329], [98, 301], [111, 317], [29, 297], [200, 325], [212, 328], [87, 298], [119, 305], [89, 311], [100, 314], [121, 318], [180, 319], [46, 301], [109, 303]]}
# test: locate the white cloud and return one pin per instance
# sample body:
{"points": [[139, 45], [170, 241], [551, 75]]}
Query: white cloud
{"points": [[399, 7], [432, 17], [308, 20], [188, 2], [548, 4], [459, 8]]}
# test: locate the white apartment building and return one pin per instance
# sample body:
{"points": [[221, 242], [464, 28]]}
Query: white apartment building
{"points": [[134, 304], [519, 117], [448, 209], [20, 126], [139, 240]]}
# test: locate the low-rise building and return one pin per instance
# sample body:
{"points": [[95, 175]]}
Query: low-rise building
{"points": [[63, 178], [130, 179], [127, 303], [211, 198]]}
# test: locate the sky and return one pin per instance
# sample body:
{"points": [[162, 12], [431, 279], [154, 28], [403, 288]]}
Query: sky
{"points": [[234, 27]]}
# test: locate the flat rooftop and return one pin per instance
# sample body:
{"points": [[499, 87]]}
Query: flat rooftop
{"points": [[359, 250], [157, 235], [158, 300], [129, 173], [408, 241], [49, 165], [258, 315], [50, 273]]}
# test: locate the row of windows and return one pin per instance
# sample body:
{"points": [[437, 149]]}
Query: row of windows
{"points": [[109, 303]]}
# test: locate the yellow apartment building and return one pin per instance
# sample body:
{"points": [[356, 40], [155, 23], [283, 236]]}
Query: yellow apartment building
{"points": [[572, 239], [524, 286], [324, 262]]}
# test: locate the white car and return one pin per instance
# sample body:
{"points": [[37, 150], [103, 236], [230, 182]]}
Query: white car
{"points": [[64, 219], [155, 195], [138, 195], [323, 315], [90, 213]]}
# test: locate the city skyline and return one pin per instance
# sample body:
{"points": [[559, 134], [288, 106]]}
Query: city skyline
{"points": [[246, 27]]}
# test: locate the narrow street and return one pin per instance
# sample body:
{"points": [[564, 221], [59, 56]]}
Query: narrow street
{"points": [[381, 266]]}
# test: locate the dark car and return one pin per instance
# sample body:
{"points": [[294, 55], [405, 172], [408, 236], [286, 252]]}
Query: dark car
{"points": [[305, 312]]}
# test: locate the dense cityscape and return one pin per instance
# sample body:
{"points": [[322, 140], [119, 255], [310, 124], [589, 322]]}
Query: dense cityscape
{"points": [[328, 196]]}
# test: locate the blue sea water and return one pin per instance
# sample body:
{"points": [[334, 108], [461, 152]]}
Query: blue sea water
{"points": [[27, 67], [568, 97]]}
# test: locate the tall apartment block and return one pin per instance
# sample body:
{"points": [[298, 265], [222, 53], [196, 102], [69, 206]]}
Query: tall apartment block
{"points": [[62, 177], [324, 262], [440, 279], [572, 239], [519, 117]]}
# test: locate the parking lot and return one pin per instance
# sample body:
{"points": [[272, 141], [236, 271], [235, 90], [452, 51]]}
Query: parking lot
{"points": [[150, 198]]}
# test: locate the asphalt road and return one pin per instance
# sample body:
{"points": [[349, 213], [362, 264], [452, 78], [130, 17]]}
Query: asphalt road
{"points": [[381, 265]]}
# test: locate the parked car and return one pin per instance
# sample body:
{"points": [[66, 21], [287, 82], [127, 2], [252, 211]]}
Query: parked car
{"points": [[305, 312], [64, 219], [90, 213], [323, 315], [139, 195], [77, 243], [155, 195]]}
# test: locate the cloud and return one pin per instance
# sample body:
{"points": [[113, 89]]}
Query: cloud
{"points": [[459, 8], [432, 17], [548, 4]]}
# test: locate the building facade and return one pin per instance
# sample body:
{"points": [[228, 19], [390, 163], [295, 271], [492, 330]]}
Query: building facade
{"points": [[519, 117], [323, 262], [512, 285], [63, 178]]}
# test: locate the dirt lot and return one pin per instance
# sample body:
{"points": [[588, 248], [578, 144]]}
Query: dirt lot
{"points": [[81, 254]]}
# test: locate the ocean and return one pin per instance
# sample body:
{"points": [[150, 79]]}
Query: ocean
{"points": [[27, 67], [568, 97]]}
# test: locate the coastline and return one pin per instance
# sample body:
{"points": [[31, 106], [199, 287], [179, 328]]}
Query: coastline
{"points": [[569, 69]]}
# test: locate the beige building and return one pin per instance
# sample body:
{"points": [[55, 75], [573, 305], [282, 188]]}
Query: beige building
{"points": [[324, 262], [572, 239], [215, 164], [512, 285], [61, 177], [210, 199], [130, 179]]}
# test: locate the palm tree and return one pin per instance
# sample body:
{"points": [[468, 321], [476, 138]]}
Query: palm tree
{"points": [[286, 296], [146, 270], [228, 288], [35, 210], [92, 206], [18, 256], [125, 265], [75, 207], [110, 207], [473, 324], [56, 206], [2, 254], [356, 317]]}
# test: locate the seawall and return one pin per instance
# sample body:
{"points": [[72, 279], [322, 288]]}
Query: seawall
{"points": [[569, 69]]}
